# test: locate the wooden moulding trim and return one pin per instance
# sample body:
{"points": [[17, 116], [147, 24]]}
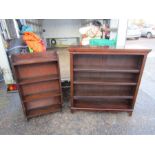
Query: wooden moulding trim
{"points": [[34, 61], [102, 50]]}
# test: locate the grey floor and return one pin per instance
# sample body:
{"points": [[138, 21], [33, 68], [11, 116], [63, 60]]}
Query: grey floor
{"points": [[12, 120]]}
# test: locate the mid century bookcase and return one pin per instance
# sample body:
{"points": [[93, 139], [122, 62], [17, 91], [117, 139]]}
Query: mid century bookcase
{"points": [[104, 79], [38, 79]]}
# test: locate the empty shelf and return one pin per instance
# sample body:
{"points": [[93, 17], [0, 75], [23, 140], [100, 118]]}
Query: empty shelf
{"points": [[42, 103], [101, 97], [108, 69], [102, 109], [45, 110], [105, 82], [41, 95], [38, 79], [122, 106]]}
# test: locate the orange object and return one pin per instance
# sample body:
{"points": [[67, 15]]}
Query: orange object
{"points": [[12, 87], [34, 42]]}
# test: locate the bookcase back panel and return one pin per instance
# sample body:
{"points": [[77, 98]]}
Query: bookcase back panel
{"points": [[100, 90], [105, 76], [44, 110], [107, 61], [40, 103], [40, 87], [104, 104], [37, 70]]}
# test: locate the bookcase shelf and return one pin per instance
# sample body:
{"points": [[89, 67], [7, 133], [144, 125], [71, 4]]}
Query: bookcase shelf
{"points": [[41, 95], [105, 79], [41, 104], [105, 82], [106, 70], [38, 78], [102, 97]]}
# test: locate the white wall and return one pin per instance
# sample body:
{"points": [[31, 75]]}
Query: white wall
{"points": [[114, 23], [4, 64], [114, 28], [61, 28], [122, 31]]}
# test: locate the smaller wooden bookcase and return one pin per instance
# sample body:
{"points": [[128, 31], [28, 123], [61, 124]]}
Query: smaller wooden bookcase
{"points": [[105, 79], [38, 79]]}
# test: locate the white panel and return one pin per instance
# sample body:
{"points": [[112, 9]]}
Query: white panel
{"points": [[61, 28], [4, 64], [114, 28], [36, 25], [121, 35], [114, 23]]}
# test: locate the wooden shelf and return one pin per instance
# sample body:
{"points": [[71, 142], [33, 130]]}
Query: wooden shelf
{"points": [[105, 82], [41, 95], [102, 94], [125, 106], [106, 70], [105, 79], [45, 110], [42, 103], [38, 79], [34, 61], [41, 92], [102, 97], [102, 109]]}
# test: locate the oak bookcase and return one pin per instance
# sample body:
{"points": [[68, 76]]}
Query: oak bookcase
{"points": [[38, 79], [104, 79]]}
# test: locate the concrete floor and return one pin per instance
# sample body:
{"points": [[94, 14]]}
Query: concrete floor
{"points": [[12, 120]]}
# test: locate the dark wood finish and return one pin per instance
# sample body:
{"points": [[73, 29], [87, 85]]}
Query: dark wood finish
{"points": [[45, 110], [104, 79], [98, 69], [38, 78]]}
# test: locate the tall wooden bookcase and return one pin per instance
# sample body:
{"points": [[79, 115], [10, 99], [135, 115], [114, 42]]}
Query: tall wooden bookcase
{"points": [[38, 79], [104, 79]]}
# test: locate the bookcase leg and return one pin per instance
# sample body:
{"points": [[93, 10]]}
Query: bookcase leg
{"points": [[61, 108], [27, 119], [72, 111], [130, 113]]}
